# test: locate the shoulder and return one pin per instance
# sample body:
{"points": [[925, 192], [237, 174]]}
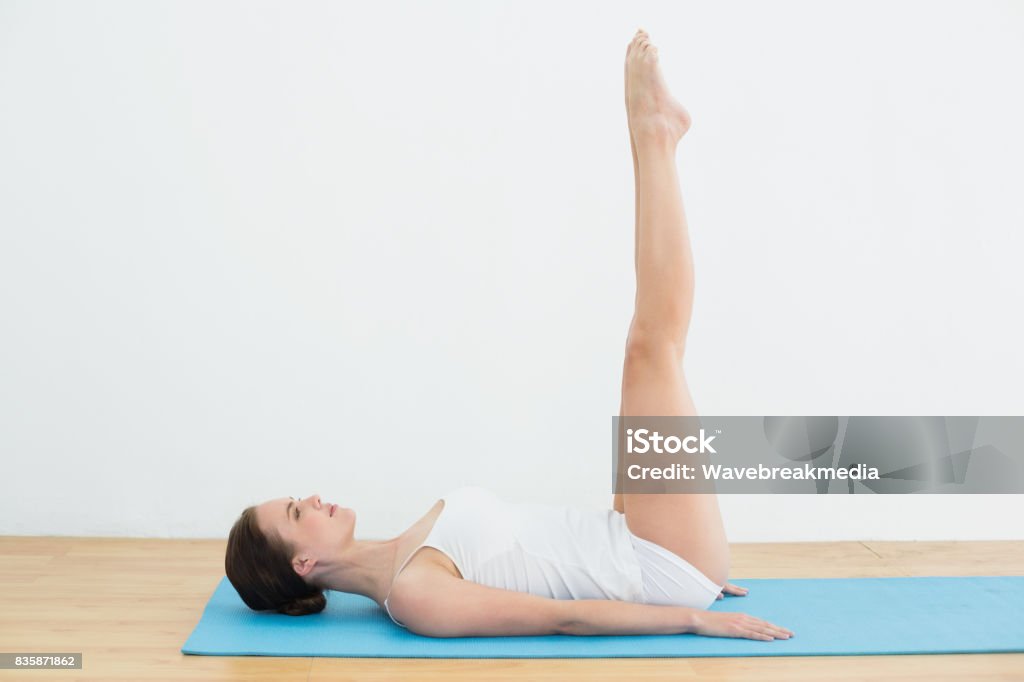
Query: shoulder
{"points": [[426, 567], [422, 588]]}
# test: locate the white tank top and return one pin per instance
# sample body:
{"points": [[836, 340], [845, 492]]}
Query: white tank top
{"points": [[552, 551]]}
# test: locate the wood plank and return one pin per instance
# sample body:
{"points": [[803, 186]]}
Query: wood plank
{"points": [[953, 558]]}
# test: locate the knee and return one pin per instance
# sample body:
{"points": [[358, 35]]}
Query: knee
{"points": [[645, 347]]}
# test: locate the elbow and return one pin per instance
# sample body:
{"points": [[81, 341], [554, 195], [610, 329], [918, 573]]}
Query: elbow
{"points": [[569, 628], [567, 619]]}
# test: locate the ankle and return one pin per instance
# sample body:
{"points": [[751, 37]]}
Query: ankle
{"points": [[656, 143], [659, 128]]}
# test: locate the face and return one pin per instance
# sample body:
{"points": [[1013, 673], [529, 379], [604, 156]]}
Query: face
{"points": [[314, 529]]}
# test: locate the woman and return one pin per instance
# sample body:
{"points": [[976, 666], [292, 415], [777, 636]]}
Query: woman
{"points": [[477, 566]]}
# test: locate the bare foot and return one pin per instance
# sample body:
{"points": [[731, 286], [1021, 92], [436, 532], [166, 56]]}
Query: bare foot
{"points": [[651, 110]]}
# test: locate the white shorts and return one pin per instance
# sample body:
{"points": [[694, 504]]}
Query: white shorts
{"points": [[670, 580]]}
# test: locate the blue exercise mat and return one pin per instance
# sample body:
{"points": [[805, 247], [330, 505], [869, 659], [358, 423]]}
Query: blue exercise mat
{"points": [[829, 616]]}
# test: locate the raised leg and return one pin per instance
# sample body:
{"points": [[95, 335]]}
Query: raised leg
{"points": [[618, 503], [653, 381]]}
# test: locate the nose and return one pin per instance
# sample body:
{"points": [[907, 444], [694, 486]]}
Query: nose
{"points": [[314, 501]]}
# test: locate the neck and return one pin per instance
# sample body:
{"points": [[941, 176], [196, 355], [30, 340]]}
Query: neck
{"points": [[364, 567]]}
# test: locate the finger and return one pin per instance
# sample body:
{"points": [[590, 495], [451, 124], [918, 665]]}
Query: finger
{"points": [[775, 632], [721, 596], [779, 628], [765, 626], [769, 631], [778, 631]]}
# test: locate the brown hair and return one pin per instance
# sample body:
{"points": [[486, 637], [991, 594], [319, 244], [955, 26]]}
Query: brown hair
{"points": [[260, 568]]}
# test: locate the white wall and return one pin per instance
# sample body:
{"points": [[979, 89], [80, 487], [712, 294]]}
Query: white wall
{"points": [[377, 250]]}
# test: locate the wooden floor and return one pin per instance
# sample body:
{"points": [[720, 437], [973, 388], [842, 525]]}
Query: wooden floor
{"points": [[129, 605]]}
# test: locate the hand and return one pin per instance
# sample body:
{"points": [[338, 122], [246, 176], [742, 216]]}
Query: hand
{"points": [[734, 590], [738, 625]]}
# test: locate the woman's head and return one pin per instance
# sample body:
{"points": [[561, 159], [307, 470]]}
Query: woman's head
{"points": [[278, 551]]}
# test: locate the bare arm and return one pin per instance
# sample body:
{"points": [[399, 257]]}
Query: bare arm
{"points": [[596, 617], [431, 603], [602, 617], [438, 605]]}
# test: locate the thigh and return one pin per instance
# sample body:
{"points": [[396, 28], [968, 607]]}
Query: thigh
{"points": [[689, 525]]}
